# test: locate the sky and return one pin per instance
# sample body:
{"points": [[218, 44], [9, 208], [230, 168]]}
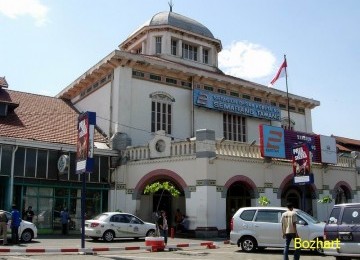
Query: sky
{"points": [[45, 45]]}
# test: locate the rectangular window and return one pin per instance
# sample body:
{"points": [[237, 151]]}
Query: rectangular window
{"points": [[173, 47], [155, 77], [30, 165], [53, 171], [234, 94], [246, 96], [139, 74], [189, 52], [41, 164], [19, 162], [208, 88], [301, 110], [158, 45], [186, 84], [282, 105], [161, 114], [221, 90], [273, 103], [257, 99], [205, 56], [171, 81], [234, 127]]}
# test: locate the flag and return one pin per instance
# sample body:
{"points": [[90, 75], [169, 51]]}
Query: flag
{"points": [[281, 73]]}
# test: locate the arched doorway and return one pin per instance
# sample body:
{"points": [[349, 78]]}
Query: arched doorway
{"points": [[342, 193], [238, 196], [300, 196]]}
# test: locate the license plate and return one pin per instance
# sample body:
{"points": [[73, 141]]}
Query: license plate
{"points": [[347, 237]]}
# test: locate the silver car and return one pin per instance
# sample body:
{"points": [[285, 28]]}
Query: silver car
{"points": [[110, 225], [260, 227]]}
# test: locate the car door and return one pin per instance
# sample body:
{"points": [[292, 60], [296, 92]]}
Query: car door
{"points": [[349, 230], [119, 225], [303, 228], [136, 227], [267, 227]]}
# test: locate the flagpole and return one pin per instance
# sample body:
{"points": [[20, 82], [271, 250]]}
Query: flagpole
{"points": [[287, 93]]}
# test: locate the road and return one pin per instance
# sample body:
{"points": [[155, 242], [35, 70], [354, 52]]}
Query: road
{"points": [[194, 251]]}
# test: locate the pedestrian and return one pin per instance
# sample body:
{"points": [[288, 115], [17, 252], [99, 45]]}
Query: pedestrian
{"points": [[3, 226], [184, 225], [163, 226], [65, 219], [15, 224], [289, 231], [29, 214]]}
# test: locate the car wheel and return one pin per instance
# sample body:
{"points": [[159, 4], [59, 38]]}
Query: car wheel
{"points": [[108, 236], [26, 235], [94, 238], [150, 233], [248, 244], [319, 250]]}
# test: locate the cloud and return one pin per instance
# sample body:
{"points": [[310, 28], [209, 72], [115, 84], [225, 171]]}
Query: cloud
{"points": [[247, 60], [16, 8]]}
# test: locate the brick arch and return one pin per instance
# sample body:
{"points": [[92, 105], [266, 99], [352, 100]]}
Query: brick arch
{"points": [[246, 181], [348, 190], [156, 175], [288, 181]]}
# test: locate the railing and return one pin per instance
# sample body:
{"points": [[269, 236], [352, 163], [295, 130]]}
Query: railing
{"points": [[224, 148]]}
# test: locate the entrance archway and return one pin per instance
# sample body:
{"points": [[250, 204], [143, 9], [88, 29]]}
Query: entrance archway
{"points": [[342, 192], [240, 191], [147, 204]]}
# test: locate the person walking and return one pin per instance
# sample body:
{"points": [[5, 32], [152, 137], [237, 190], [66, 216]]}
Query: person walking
{"points": [[178, 219], [3, 226], [289, 231], [163, 226], [15, 224], [65, 218], [29, 214]]}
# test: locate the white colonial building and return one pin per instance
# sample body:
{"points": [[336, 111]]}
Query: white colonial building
{"points": [[173, 115]]}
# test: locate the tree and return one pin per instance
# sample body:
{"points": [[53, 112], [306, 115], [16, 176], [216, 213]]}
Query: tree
{"points": [[263, 200], [326, 200], [164, 186]]}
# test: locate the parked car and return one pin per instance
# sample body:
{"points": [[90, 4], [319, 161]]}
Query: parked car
{"points": [[27, 230], [260, 227], [344, 225], [110, 225]]}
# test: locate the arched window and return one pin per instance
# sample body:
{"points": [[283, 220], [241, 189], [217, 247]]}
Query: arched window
{"points": [[161, 112], [340, 196]]}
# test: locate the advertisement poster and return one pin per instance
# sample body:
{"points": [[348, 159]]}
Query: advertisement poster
{"points": [[301, 160], [272, 142], [85, 142]]}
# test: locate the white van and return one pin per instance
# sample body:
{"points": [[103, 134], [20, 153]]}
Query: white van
{"points": [[260, 227]]}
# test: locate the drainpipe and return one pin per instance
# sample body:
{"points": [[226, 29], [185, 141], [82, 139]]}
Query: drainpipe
{"points": [[12, 175]]}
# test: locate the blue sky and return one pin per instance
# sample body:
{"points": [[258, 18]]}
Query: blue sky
{"points": [[46, 44]]}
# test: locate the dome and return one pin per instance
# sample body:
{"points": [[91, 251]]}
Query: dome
{"points": [[179, 21]]}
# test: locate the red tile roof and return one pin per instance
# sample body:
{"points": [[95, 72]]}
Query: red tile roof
{"points": [[41, 118], [347, 141]]}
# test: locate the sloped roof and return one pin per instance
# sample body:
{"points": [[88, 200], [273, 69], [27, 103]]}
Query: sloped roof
{"points": [[347, 141], [41, 118]]}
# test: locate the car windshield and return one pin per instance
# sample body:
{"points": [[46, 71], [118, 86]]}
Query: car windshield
{"points": [[307, 217], [101, 217]]}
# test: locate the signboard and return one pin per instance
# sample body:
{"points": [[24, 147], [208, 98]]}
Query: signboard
{"points": [[328, 149], [301, 162], [235, 105], [85, 143], [272, 142], [294, 137]]}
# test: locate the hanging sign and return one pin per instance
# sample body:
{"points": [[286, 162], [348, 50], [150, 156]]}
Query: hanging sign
{"points": [[301, 161], [85, 142]]}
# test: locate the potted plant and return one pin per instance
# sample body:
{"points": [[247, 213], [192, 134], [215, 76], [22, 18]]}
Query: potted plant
{"points": [[157, 242], [263, 200]]}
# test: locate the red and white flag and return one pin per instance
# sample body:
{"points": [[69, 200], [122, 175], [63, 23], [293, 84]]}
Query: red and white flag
{"points": [[281, 73]]}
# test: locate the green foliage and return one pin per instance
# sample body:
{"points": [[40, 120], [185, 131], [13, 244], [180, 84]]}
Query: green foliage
{"points": [[264, 201], [325, 199], [156, 186]]}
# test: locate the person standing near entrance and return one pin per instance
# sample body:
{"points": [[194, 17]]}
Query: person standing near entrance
{"points": [[15, 224], [65, 218], [163, 226], [3, 226], [29, 214], [289, 231]]}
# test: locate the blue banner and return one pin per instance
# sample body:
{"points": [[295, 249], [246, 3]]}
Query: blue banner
{"points": [[234, 105]]}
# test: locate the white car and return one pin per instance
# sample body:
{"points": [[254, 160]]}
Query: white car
{"points": [[27, 230], [110, 225], [260, 227]]}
